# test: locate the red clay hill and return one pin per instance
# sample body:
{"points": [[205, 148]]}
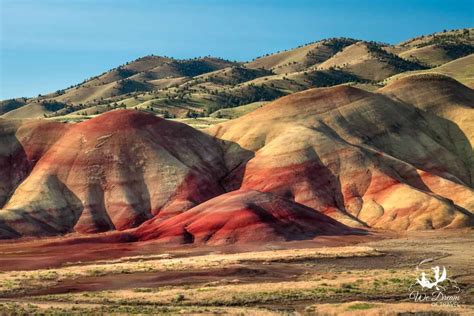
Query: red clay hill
{"points": [[325, 161], [111, 172], [242, 216]]}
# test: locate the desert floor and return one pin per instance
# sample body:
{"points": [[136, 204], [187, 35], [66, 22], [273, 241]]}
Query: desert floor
{"points": [[366, 275]]}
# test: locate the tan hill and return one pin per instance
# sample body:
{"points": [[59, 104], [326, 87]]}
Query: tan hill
{"points": [[94, 93], [229, 76], [36, 109], [209, 93], [436, 54], [437, 94], [144, 74], [446, 98], [368, 61], [359, 157], [154, 67], [130, 69], [140, 75], [436, 49], [461, 69], [459, 36], [301, 58], [298, 81], [231, 113]]}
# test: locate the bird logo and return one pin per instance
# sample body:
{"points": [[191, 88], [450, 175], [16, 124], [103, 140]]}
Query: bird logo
{"points": [[437, 280], [429, 283]]}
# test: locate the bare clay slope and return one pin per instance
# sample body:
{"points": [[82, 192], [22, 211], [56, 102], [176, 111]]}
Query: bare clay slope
{"points": [[21, 145], [112, 172], [446, 98], [437, 94], [242, 216], [359, 157]]}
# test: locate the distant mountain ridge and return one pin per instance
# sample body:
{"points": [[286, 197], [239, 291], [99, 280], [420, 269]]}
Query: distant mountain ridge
{"points": [[201, 86]]}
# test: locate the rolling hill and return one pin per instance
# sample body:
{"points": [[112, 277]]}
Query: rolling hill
{"points": [[444, 97], [301, 58], [200, 86], [438, 48], [368, 61], [461, 69]]}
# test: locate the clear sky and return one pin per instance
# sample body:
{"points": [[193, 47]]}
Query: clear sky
{"points": [[47, 45]]}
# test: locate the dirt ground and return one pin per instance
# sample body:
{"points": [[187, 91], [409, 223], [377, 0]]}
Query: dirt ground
{"points": [[366, 275]]}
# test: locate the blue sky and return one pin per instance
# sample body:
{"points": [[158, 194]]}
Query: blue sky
{"points": [[50, 44]]}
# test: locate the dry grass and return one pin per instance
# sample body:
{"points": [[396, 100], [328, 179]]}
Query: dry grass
{"points": [[41, 308], [361, 308], [317, 286], [200, 123], [15, 281], [231, 113]]}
